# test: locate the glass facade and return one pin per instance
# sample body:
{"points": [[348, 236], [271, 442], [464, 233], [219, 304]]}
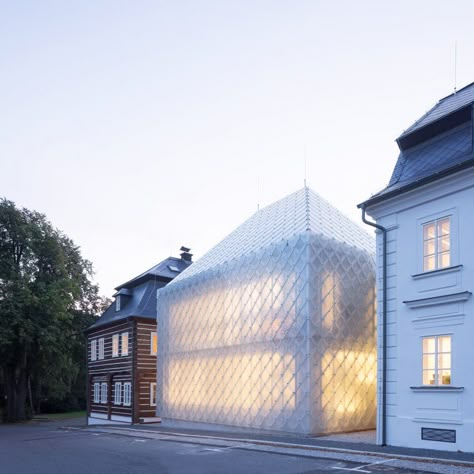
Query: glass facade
{"points": [[280, 337]]}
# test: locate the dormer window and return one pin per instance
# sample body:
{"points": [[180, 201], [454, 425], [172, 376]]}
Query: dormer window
{"points": [[117, 303]]}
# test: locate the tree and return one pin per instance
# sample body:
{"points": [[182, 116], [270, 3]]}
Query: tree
{"points": [[46, 300]]}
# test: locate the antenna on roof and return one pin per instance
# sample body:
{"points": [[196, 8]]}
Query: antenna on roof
{"points": [[258, 193], [455, 64], [304, 153]]}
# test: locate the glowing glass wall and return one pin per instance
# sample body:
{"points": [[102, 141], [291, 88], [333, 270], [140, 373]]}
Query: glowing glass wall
{"points": [[280, 339]]}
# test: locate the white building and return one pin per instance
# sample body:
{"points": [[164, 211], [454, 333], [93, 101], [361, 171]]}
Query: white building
{"points": [[425, 377], [274, 328]]}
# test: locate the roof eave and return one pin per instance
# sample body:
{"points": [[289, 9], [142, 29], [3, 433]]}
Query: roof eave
{"points": [[421, 182]]}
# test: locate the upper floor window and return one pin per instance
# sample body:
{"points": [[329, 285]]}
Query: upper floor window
{"points": [[101, 348], [117, 303], [125, 343], [153, 343], [437, 244], [437, 360], [94, 349], [115, 345]]}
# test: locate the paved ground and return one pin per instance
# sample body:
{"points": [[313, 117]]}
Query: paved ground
{"points": [[49, 448], [44, 448]]}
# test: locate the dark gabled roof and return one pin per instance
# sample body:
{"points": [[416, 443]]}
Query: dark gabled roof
{"points": [[163, 271], [445, 106], [138, 295], [437, 145]]}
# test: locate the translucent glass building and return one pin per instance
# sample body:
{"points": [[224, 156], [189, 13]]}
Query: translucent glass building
{"points": [[274, 328]]}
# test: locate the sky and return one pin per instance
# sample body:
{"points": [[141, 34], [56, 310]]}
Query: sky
{"points": [[140, 126]]}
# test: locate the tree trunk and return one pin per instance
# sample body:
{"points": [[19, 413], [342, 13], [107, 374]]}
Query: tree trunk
{"points": [[16, 390]]}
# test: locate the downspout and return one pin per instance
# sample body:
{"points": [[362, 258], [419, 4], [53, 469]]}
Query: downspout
{"points": [[384, 323]]}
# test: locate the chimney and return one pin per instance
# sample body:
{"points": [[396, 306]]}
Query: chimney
{"points": [[185, 255]]}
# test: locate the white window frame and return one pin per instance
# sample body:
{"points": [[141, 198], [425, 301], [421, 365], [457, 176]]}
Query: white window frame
{"points": [[153, 335], [452, 214], [118, 393], [103, 392], [101, 349], [94, 350], [124, 347], [436, 369], [153, 394], [115, 345], [96, 398], [117, 303], [127, 394], [437, 252]]}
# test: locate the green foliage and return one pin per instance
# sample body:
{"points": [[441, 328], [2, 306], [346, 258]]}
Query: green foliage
{"points": [[46, 300]]}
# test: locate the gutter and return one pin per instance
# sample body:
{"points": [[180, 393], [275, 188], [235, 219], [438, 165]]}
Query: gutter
{"points": [[384, 322]]}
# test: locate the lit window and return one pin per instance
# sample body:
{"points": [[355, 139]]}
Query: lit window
{"points": [[97, 392], [153, 343], [94, 349], [115, 345], [127, 393], [125, 343], [101, 348], [437, 360], [103, 392], [437, 244], [117, 303], [153, 394], [118, 393]]}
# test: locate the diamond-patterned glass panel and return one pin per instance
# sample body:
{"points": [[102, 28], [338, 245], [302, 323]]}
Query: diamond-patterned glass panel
{"points": [[279, 338]]}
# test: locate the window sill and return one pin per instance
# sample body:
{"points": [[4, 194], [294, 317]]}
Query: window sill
{"points": [[456, 268], [437, 388]]}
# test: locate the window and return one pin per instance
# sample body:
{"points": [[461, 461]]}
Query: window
{"points": [[153, 394], [437, 244], [118, 393], [153, 343], [117, 303], [103, 392], [97, 393], [115, 345], [101, 348], [437, 360], [94, 349], [125, 343], [127, 393]]}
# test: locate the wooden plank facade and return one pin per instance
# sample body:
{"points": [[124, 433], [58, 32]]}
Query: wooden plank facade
{"points": [[137, 368], [122, 347]]}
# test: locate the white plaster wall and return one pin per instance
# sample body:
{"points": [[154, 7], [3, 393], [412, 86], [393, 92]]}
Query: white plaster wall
{"points": [[409, 409]]}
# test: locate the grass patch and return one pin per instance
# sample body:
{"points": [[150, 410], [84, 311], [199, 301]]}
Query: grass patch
{"points": [[64, 416]]}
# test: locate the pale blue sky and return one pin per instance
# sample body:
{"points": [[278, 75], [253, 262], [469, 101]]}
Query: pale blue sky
{"points": [[139, 126]]}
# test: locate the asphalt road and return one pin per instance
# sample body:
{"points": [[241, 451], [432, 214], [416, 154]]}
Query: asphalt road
{"points": [[47, 449]]}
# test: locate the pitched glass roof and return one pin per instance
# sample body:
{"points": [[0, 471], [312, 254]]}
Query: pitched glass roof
{"points": [[293, 215]]}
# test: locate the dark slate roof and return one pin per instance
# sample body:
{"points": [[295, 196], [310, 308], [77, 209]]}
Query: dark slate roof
{"points": [[164, 271], [445, 106], [139, 299], [439, 144]]}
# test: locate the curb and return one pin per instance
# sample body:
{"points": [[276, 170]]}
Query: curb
{"points": [[278, 444]]}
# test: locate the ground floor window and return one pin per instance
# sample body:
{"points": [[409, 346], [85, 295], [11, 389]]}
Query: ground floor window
{"points": [[153, 394], [118, 393], [103, 392], [97, 393], [127, 393], [437, 360]]}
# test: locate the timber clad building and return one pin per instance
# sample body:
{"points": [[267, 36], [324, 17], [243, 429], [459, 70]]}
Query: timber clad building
{"points": [[122, 347]]}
